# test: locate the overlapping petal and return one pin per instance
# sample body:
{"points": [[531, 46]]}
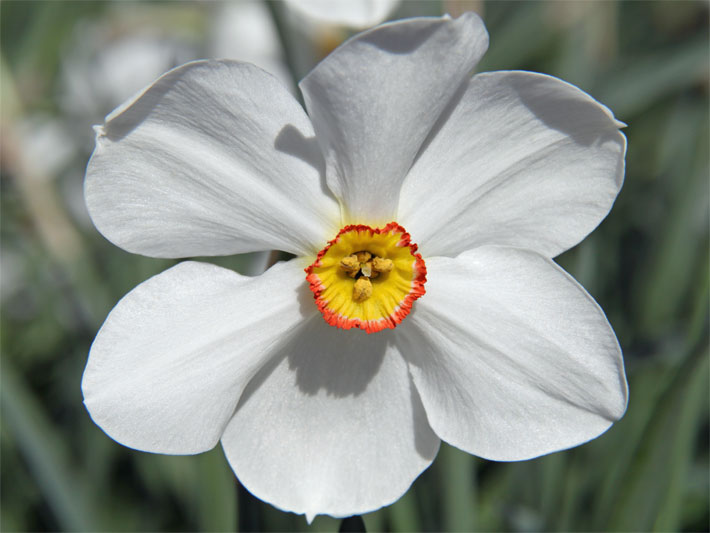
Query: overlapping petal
{"points": [[524, 160], [332, 426], [374, 100], [168, 366], [511, 357], [214, 158]]}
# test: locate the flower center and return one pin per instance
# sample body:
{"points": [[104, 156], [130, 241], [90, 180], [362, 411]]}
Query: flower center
{"points": [[367, 277], [363, 266]]}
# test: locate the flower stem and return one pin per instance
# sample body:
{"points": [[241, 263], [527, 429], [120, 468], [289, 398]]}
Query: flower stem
{"points": [[352, 524]]}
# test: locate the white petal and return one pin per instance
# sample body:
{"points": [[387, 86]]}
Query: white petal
{"points": [[511, 357], [214, 158], [168, 366], [351, 13], [333, 426], [374, 100], [524, 160]]}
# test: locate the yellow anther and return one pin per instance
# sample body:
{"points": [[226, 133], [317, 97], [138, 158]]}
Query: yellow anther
{"points": [[363, 266], [350, 263], [382, 265], [363, 257], [362, 290]]}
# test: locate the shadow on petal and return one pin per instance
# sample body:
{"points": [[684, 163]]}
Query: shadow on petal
{"points": [[127, 117], [291, 141], [341, 362], [426, 447], [573, 113], [443, 118], [399, 38]]}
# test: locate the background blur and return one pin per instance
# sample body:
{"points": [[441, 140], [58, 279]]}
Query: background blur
{"points": [[64, 65]]}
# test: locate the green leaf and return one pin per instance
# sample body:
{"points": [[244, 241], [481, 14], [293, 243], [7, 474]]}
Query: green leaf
{"points": [[667, 278], [457, 470], [640, 82], [404, 514], [46, 453], [215, 492], [655, 476]]}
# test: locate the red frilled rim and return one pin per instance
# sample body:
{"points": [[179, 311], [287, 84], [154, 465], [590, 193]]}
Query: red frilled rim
{"points": [[403, 308]]}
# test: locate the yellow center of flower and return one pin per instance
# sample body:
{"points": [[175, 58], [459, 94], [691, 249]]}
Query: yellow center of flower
{"points": [[367, 277]]}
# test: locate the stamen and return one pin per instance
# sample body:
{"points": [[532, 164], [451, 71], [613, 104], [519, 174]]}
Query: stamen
{"points": [[366, 264], [363, 257], [382, 265], [362, 290], [350, 263]]}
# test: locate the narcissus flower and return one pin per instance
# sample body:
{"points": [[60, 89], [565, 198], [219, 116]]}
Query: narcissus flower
{"points": [[424, 205], [357, 14]]}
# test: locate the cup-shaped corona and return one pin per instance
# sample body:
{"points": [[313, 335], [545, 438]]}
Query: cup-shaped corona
{"points": [[367, 277]]}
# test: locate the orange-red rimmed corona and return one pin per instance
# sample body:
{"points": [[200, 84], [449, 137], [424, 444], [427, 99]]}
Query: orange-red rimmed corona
{"points": [[367, 277]]}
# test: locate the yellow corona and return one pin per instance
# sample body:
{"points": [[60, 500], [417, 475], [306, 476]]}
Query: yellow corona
{"points": [[367, 277]]}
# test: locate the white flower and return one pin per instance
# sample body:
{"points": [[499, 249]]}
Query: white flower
{"points": [[505, 356], [357, 14], [245, 31]]}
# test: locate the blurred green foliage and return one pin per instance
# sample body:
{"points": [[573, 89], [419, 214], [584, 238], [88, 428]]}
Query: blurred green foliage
{"points": [[647, 265]]}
